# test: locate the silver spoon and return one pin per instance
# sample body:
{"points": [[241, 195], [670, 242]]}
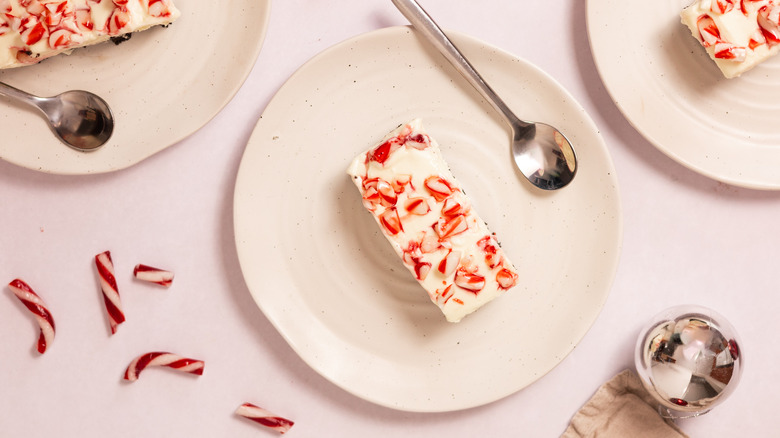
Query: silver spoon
{"points": [[542, 153], [78, 118]]}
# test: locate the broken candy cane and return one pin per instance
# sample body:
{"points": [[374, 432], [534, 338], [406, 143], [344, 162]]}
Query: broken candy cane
{"points": [[162, 359], [35, 304], [153, 275], [264, 417], [105, 268]]}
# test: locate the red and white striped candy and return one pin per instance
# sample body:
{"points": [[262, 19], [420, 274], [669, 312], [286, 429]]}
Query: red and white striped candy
{"points": [[35, 304], [264, 417], [722, 6], [153, 275], [163, 359], [105, 268]]}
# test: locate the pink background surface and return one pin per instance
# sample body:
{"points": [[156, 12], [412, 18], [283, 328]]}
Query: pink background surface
{"points": [[687, 239]]}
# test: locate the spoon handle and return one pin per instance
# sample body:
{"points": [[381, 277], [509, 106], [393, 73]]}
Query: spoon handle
{"points": [[425, 24], [17, 94]]}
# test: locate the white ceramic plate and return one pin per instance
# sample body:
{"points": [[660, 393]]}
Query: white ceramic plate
{"points": [[162, 85], [318, 266], [674, 95]]}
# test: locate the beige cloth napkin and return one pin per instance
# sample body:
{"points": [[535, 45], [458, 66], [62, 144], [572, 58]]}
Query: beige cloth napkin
{"points": [[621, 408]]}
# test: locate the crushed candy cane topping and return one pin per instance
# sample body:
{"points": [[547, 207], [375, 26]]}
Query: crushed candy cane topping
{"points": [[32, 30], [422, 211], [737, 34]]}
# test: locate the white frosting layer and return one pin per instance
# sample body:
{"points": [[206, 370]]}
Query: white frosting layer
{"points": [[737, 34], [32, 30], [429, 221]]}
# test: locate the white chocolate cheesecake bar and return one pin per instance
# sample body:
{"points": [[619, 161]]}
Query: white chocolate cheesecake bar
{"points": [[737, 34], [429, 221], [33, 30]]}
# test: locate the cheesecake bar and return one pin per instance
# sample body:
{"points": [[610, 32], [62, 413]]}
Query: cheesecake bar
{"points": [[33, 30], [424, 214], [737, 34]]}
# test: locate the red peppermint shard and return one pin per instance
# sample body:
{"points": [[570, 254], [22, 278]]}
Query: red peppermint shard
{"points": [[153, 275], [163, 359], [105, 268], [35, 304], [264, 417]]}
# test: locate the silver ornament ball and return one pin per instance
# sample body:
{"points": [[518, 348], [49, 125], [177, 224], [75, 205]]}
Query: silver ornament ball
{"points": [[689, 358]]}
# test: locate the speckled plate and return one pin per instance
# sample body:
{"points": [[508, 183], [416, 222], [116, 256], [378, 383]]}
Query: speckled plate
{"points": [[162, 85], [673, 94], [320, 269]]}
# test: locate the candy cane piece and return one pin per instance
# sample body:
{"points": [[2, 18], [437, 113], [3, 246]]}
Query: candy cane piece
{"points": [[105, 268], [35, 304], [264, 417], [162, 359], [153, 275]]}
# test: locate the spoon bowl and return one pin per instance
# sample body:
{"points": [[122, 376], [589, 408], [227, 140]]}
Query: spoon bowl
{"points": [[543, 155], [541, 152], [80, 119]]}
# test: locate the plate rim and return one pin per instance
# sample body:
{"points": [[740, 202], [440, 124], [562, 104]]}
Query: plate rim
{"points": [[610, 271], [120, 163], [629, 114]]}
